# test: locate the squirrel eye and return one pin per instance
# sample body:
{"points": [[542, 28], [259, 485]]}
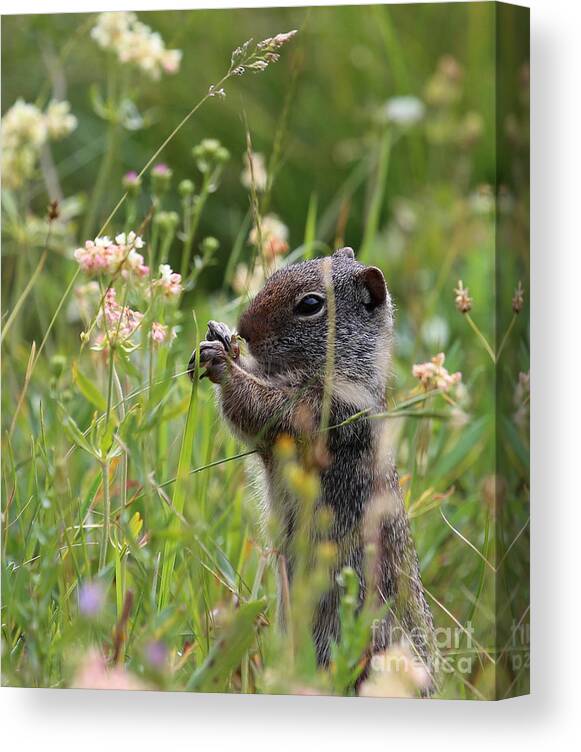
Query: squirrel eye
{"points": [[309, 305]]}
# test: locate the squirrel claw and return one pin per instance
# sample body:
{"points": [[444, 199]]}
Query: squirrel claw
{"points": [[219, 346], [214, 358], [221, 333]]}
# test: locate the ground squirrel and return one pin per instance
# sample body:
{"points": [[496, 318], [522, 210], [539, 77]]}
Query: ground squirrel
{"points": [[268, 392]]}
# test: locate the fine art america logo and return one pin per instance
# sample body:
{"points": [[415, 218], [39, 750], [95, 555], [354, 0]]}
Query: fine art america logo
{"points": [[457, 650]]}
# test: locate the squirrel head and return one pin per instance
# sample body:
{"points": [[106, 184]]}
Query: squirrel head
{"points": [[286, 325]]}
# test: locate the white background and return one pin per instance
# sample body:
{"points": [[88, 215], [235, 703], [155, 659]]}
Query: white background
{"points": [[61, 720]]}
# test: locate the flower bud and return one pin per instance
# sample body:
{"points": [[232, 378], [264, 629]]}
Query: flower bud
{"points": [[57, 365], [161, 176], [209, 153], [209, 245], [53, 211], [518, 300], [222, 155], [167, 220], [210, 146], [186, 188], [132, 183]]}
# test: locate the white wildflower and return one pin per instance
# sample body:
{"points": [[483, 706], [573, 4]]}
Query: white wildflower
{"points": [[25, 130], [23, 124], [274, 235], [103, 256], [396, 672], [254, 167], [169, 282], [482, 200], [433, 375], [135, 43], [111, 28], [246, 282], [404, 111], [521, 400], [59, 119], [17, 166], [171, 60], [435, 332], [131, 239]]}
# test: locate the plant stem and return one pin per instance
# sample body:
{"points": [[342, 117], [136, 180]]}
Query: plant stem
{"points": [[481, 337], [120, 553], [130, 214], [506, 336], [105, 465], [106, 515], [193, 225]]}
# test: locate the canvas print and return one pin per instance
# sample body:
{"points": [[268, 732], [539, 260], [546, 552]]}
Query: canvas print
{"points": [[265, 351]]}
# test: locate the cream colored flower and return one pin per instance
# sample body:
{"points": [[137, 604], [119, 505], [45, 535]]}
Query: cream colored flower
{"points": [[25, 130], [116, 322], [433, 375], [162, 334], [521, 400], [103, 256], [169, 282], [395, 673], [111, 28], [23, 124], [404, 111], [17, 166], [246, 282], [171, 60], [59, 120], [462, 298], [135, 43], [274, 235], [131, 239], [258, 170], [518, 299]]}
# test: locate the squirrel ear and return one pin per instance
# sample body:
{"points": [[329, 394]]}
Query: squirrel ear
{"points": [[347, 252], [374, 287]]}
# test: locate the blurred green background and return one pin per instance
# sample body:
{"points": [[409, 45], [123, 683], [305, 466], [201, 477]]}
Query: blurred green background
{"points": [[348, 62]]}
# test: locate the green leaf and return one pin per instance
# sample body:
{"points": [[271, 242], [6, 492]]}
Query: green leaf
{"points": [[75, 434], [228, 650], [514, 441], [98, 104], [465, 444], [106, 439], [88, 389]]}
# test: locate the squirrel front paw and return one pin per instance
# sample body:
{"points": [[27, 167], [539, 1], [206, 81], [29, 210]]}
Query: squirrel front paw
{"points": [[214, 358], [219, 347], [218, 332]]}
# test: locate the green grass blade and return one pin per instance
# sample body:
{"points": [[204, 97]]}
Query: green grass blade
{"points": [[179, 494]]}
